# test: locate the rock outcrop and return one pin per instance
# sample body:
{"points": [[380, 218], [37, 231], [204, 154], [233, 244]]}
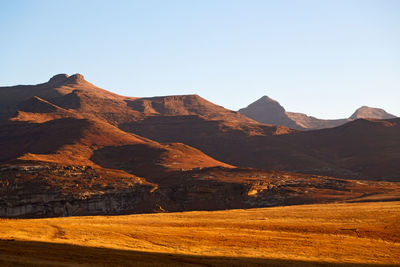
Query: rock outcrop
{"points": [[371, 113], [33, 191]]}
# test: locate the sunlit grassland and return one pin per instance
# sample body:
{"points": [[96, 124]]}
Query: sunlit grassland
{"points": [[332, 233]]}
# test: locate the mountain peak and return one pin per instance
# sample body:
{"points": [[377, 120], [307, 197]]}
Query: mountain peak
{"points": [[65, 79], [59, 78], [76, 78], [366, 112], [266, 103], [268, 110], [266, 99]]}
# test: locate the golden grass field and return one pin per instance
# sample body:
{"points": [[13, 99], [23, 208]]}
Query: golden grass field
{"points": [[322, 235]]}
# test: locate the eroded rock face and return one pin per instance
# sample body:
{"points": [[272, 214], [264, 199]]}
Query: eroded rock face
{"points": [[34, 191], [51, 191], [55, 205]]}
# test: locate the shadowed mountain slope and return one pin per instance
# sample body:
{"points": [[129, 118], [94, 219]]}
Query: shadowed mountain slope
{"points": [[365, 147], [73, 141], [360, 149]]}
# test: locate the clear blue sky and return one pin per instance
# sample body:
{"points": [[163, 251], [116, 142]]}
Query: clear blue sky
{"points": [[323, 57]]}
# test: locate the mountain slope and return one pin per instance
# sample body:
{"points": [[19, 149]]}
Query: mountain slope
{"points": [[312, 123], [180, 105], [70, 93], [74, 93], [360, 149], [365, 147], [74, 141]]}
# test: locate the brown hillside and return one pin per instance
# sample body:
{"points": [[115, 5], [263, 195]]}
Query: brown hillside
{"points": [[223, 134], [367, 148], [71, 93], [360, 149], [58, 132], [75, 93], [73, 141], [185, 105], [68, 141]]}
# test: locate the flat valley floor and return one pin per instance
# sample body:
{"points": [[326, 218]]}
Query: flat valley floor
{"points": [[351, 234]]}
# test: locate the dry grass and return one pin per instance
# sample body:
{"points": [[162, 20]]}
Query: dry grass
{"points": [[365, 233]]}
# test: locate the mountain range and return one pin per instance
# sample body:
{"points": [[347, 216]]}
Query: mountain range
{"points": [[71, 148], [267, 110]]}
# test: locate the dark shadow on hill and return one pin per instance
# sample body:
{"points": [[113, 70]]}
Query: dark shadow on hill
{"points": [[139, 159], [362, 149], [18, 138], [29, 253]]}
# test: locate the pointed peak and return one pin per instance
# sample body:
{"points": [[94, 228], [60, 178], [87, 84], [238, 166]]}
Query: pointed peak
{"points": [[265, 102], [267, 99]]}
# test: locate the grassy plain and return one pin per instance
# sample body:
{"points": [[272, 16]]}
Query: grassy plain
{"points": [[328, 234]]}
